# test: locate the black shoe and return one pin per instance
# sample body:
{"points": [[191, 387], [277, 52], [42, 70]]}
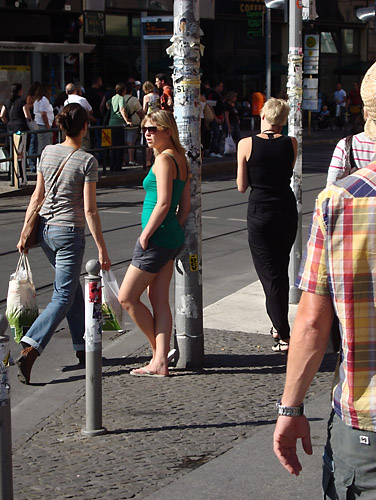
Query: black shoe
{"points": [[25, 364], [80, 355]]}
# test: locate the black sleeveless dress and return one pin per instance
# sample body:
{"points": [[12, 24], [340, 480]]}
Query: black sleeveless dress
{"points": [[272, 222]]}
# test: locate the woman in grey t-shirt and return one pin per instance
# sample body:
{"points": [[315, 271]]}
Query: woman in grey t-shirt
{"points": [[61, 234]]}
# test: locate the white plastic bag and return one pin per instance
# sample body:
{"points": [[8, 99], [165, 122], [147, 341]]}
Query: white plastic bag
{"points": [[111, 308], [230, 146], [22, 307]]}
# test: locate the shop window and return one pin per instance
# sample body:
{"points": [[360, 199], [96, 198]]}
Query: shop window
{"points": [[328, 45], [136, 27], [117, 25], [350, 41]]}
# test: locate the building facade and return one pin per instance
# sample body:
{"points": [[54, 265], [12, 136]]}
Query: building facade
{"points": [[107, 37]]}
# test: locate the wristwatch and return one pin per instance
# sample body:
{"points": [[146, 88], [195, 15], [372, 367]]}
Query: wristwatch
{"points": [[290, 411]]}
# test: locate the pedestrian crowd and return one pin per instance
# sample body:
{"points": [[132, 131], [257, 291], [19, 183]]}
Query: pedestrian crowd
{"points": [[337, 276]]}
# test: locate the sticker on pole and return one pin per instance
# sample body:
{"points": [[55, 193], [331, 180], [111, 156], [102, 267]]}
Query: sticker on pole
{"points": [[95, 292], [193, 262], [106, 137]]}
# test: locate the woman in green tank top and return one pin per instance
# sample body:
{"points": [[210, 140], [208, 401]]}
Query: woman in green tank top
{"points": [[166, 206]]}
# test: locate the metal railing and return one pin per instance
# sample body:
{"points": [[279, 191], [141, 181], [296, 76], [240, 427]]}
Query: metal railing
{"points": [[7, 139]]}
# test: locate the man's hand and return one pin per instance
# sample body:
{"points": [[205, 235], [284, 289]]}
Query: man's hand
{"points": [[287, 431]]}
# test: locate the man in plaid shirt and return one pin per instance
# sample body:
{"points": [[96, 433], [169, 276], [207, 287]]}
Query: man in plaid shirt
{"points": [[338, 274]]}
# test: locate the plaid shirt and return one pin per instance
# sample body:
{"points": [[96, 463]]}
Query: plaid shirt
{"points": [[340, 260]]}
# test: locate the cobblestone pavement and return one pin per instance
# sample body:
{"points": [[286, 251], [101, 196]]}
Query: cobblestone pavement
{"points": [[158, 429]]}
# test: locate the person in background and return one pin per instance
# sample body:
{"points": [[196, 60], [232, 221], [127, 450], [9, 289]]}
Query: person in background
{"points": [[232, 121], [215, 95], [44, 115], [323, 120], [354, 105], [340, 101], [351, 153], [166, 206], [33, 147], [265, 164], [15, 112], [137, 87], [163, 83], [74, 92], [338, 274], [258, 101], [61, 233], [118, 118], [94, 96], [135, 114], [151, 102]]}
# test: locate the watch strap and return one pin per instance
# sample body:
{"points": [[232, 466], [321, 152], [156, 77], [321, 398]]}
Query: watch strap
{"points": [[289, 411]]}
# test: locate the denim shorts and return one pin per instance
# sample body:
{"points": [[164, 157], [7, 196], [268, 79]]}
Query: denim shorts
{"points": [[153, 258]]}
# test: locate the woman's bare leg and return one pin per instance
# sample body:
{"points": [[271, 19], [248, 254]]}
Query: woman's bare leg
{"points": [[159, 298], [134, 284]]}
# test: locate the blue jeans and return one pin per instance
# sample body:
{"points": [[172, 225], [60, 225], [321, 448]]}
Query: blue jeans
{"points": [[33, 150], [64, 247]]}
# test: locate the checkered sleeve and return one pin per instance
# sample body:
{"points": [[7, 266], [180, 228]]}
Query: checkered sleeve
{"points": [[312, 275]]}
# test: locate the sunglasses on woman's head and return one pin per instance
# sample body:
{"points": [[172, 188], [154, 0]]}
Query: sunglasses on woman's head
{"points": [[151, 130]]}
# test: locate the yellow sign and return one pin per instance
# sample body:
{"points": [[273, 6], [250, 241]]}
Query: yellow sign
{"points": [[14, 68], [106, 137], [193, 262]]}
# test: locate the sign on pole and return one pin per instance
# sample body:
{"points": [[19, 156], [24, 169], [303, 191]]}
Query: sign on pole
{"points": [[157, 28]]}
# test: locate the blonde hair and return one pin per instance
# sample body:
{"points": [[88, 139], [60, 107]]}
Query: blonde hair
{"points": [[148, 87], [368, 94], [164, 120], [276, 111]]}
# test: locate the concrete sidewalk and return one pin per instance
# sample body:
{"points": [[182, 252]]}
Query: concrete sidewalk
{"points": [[195, 435]]}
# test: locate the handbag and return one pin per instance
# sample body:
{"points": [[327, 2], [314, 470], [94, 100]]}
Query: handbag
{"points": [[29, 233], [22, 307], [230, 146]]}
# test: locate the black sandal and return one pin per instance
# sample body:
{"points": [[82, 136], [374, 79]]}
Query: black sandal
{"points": [[274, 334]]}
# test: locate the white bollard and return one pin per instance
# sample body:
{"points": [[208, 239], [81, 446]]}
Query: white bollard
{"points": [[93, 350], [6, 469]]}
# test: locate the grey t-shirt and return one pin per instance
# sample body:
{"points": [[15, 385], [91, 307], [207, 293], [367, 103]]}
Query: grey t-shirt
{"points": [[64, 205]]}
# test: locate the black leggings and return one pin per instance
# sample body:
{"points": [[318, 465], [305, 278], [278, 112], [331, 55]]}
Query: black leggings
{"points": [[271, 234]]}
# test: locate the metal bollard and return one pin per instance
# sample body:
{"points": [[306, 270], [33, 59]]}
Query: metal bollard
{"points": [[93, 350], [6, 469]]}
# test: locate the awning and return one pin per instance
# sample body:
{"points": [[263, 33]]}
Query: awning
{"points": [[58, 48], [355, 68]]}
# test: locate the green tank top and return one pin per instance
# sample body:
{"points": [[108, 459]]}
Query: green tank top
{"points": [[169, 234]]}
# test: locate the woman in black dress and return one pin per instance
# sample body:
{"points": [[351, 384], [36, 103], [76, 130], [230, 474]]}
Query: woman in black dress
{"points": [[265, 163]]}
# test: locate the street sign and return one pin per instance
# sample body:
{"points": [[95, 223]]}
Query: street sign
{"points": [[157, 28], [311, 54]]}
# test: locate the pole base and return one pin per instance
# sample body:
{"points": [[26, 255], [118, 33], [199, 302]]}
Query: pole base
{"points": [[94, 432]]}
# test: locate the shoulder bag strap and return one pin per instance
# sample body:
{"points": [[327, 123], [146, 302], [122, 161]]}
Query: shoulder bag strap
{"points": [[57, 175]]}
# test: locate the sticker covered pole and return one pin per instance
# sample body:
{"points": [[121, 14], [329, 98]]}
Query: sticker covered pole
{"points": [[186, 48], [295, 93], [93, 350]]}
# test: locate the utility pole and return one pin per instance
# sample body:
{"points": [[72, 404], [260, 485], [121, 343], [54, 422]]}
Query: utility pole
{"points": [[268, 43], [295, 93], [189, 336]]}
